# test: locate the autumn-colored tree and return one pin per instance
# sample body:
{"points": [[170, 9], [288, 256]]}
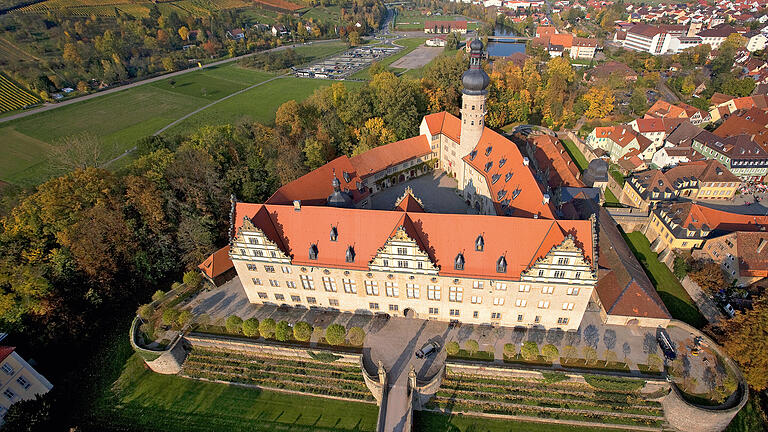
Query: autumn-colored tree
{"points": [[600, 102], [747, 343], [372, 135], [354, 38], [710, 278], [184, 33]]}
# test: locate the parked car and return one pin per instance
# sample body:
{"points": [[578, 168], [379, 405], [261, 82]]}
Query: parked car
{"points": [[428, 349], [729, 310], [665, 343]]}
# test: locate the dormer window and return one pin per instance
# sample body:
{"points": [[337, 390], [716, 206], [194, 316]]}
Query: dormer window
{"points": [[350, 258], [508, 177], [459, 262], [501, 194], [501, 265], [479, 243], [334, 233], [488, 150], [472, 154], [313, 251], [502, 161], [488, 166], [347, 176]]}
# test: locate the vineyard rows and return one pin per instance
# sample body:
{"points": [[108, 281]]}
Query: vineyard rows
{"points": [[13, 97], [107, 8]]}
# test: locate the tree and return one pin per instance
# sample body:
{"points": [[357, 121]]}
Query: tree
{"points": [[234, 324], [302, 331], [452, 348], [654, 362], [681, 267], [30, 415], [184, 318], [550, 352], [82, 151], [590, 354], [184, 33], [168, 64], [267, 327], [145, 311], [471, 346], [530, 350], [335, 334], [353, 38], [710, 278], [159, 294], [283, 331], [356, 336], [192, 279], [599, 102], [251, 327], [510, 350], [170, 316], [747, 343], [569, 352]]}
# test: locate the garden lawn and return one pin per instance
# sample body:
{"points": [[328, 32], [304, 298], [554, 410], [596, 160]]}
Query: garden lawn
{"points": [[425, 421], [575, 154], [673, 294], [610, 198], [144, 400]]}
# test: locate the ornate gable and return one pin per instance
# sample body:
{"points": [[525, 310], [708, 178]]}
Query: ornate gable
{"points": [[402, 254], [564, 263], [251, 244]]}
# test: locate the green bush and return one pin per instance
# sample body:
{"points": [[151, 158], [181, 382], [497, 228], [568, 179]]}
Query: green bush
{"points": [[471, 346], [145, 311], [267, 327], [184, 318], [569, 352], [590, 354], [335, 334], [302, 331], [192, 279], [175, 285], [530, 351], [356, 336], [251, 327], [158, 295], [510, 350], [553, 377], [654, 362], [614, 383], [283, 331], [170, 316], [452, 348], [234, 324], [550, 352], [324, 356]]}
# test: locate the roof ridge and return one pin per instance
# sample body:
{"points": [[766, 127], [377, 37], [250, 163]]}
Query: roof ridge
{"points": [[541, 243]]}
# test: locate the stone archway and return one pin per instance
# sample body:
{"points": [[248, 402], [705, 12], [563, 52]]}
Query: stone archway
{"points": [[409, 313]]}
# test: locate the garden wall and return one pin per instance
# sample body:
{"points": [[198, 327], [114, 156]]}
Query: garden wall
{"points": [[168, 361], [580, 144]]}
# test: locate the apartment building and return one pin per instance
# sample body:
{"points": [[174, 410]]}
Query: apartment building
{"points": [[18, 379]]}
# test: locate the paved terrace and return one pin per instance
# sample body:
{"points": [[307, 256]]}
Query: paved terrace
{"points": [[436, 190]]}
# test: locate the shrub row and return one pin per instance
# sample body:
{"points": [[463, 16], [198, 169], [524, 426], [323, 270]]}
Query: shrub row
{"points": [[292, 361], [281, 370]]}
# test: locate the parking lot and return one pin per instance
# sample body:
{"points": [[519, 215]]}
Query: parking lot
{"points": [[344, 64]]}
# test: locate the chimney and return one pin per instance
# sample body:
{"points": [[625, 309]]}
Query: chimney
{"points": [[525, 160], [297, 205]]}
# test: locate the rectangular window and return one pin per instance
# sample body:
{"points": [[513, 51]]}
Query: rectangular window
{"points": [[543, 304], [286, 269], [295, 298], [311, 300], [433, 292], [412, 291], [541, 273], [577, 275], [501, 286], [8, 369], [402, 264], [537, 319], [256, 281], [393, 308], [433, 311], [274, 283], [495, 315], [562, 261], [251, 267], [258, 253], [498, 301], [350, 286], [562, 320], [290, 284], [269, 269], [568, 306], [253, 240], [391, 289], [477, 284], [333, 302], [373, 306], [521, 303], [306, 282], [475, 314], [559, 274], [477, 299], [573, 290], [455, 294], [519, 318], [279, 297], [402, 251], [547, 290], [9, 394], [453, 312], [262, 295], [525, 288], [329, 284], [371, 287], [23, 382]]}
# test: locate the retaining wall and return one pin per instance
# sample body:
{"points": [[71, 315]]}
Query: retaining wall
{"points": [[167, 361], [703, 301]]}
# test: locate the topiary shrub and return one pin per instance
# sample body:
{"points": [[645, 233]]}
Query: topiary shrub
{"points": [[234, 324], [530, 351], [510, 350], [170, 316], [158, 295], [335, 334], [283, 331], [267, 327], [251, 327], [145, 311], [471, 346], [184, 318], [302, 331], [356, 336], [655, 363], [590, 354], [452, 348], [192, 279], [550, 352], [569, 352]]}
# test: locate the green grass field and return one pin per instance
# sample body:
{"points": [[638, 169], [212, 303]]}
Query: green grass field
{"points": [[431, 421], [576, 154], [610, 198], [673, 294]]}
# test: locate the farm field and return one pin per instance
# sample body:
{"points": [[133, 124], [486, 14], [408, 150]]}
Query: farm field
{"points": [[412, 21], [141, 8], [13, 97]]}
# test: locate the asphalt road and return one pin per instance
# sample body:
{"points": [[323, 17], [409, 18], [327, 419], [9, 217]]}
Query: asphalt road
{"points": [[50, 106]]}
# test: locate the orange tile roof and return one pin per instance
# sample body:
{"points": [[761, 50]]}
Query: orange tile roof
{"points": [[388, 155], [650, 124], [622, 135], [315, 187], [445, 123], [518, 194], [752, 250], [551, 155], [664, 109], [217, 263], [545, 31], [751, 122], [565, 40], [521, 241], [698, 216], [409, 203]]}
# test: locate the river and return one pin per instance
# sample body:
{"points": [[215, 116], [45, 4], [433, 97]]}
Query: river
{"points": [[504, 49]]}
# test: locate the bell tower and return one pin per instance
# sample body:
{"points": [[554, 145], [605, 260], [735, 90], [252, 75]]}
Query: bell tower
{"points": [[475, 82]]}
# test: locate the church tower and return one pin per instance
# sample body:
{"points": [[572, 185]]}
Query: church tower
{"points": [[475, 82]]}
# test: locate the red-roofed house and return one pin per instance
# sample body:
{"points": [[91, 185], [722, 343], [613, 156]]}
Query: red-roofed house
{"points": [[620, 140], [218, 268], [743, 255]]}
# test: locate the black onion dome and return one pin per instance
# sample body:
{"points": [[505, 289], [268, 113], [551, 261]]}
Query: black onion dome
{"points": [[475, 80]]}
